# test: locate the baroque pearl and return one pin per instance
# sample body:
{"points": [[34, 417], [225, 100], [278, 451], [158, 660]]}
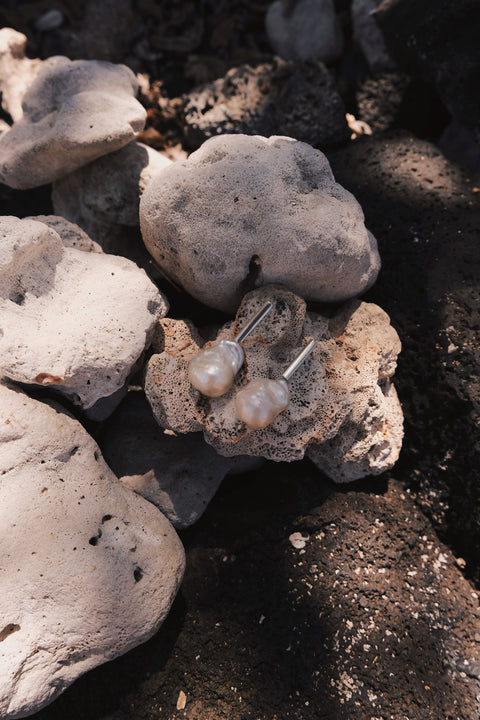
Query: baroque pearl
{"points": [[213, 370], [259, 402]]}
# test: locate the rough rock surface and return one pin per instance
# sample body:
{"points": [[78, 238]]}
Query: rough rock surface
{"points": [[369, 36], [278, 98], [438, 40], [66, 320], [380, 99], [310, 31], [71, 234], [103, 196], [17, 72], [343, 411], [246, 211], [89, 569], [73, 113], [372, 618], [430, 287], [177, 473]]}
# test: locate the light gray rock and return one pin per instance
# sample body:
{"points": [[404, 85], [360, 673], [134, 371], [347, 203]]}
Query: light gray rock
{"points": [[89, 569], [310, 31], [247, 211], [177, 473], [71, 234], [343, 411], [17, 72], [369, 36], [76, 321], [73, 113], [103, 197]]}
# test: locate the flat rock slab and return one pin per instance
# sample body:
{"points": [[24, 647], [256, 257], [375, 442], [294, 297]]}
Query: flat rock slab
{"points": [[246, 211], [73, 112], [89, 569], [66, 319], [277, 98], [178, 473], [343, 410]]}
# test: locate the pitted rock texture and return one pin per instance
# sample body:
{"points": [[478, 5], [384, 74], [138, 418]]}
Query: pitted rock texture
{"points": [[73, 113], [89, 569], [309, 30], [67, 319], [343, 412], [71, 234], [178, 473], [278, 98], [247, 211], [103, 196], [17, 72]]}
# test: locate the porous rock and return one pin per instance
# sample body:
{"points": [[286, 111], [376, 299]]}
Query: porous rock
{"points": [[72, 320], [71, 234], [437, 40], [103, 196], [89, 569], [17, 72], [277, 98], [178, 473], [343, 412], [309, 31], [73, 112], [369, 36], [246, 211]]}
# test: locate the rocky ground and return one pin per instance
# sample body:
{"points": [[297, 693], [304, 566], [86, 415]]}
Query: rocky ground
{"points": [[305, 599]]}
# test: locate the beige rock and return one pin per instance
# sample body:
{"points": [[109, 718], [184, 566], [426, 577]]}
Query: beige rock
{"points": [[179, 474], [17, 72], [73, 112], [343, 412], [103, 197], [66, 318], [310, 31], [89, 569], [245, 211], [71, 234]]}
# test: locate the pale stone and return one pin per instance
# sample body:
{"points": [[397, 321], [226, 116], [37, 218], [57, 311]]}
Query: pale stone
{"points": [[71, 234], [246, 211], [310, 31], [72, 320], [89, 569], [17, 72], [179, 474], [343, 411], [369, 36], [103, 197], [73, 112]]}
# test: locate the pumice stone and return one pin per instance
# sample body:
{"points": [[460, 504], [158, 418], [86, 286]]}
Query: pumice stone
{"points": [[259, 403], [340, 408]]}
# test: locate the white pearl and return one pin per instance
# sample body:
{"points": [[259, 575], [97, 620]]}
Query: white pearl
{"points": [[213, 370], [259, 403]]}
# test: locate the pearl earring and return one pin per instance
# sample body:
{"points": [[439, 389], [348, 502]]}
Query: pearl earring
{"points": [[259, 402], [212, 371]]}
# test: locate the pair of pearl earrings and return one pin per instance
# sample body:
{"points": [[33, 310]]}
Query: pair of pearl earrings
{"points": [[213, 370]]}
